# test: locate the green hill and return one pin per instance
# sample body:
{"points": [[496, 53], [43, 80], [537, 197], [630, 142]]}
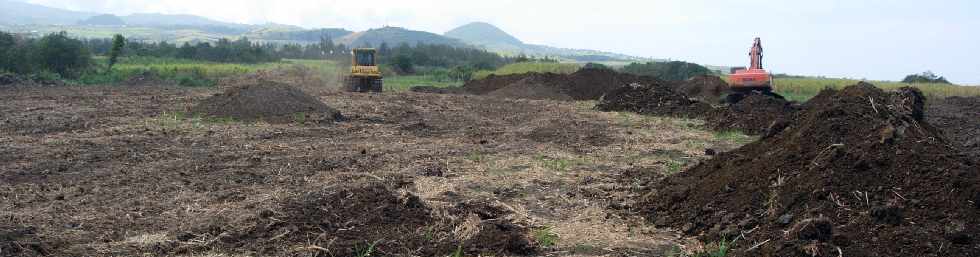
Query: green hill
{"points": [[481, 33], [394, 36]]}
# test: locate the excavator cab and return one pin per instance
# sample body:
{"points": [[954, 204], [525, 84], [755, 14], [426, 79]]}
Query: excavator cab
{"points": [[365, 76], [755, 79]]}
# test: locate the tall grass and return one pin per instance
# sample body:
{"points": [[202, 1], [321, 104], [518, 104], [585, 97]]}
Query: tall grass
{"points": [[525, 67]]}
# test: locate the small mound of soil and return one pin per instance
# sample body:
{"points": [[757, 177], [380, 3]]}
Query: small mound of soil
{"points": [[572, 133], [959, 119], [653, 99], [348, 220], [267, 101], [592, 84], [753, 115], [492, 83], [705, 88], [858, 170]]}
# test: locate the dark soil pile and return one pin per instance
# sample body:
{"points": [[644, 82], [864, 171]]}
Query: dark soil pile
{"points": [[592, 84], [585, 84], [267, 101], [537, 86], [653, 99], [705, 88], [753, 115], [959, 118], [356, 219], [857, 173]]}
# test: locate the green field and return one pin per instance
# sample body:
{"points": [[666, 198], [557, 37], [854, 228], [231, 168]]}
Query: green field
{"points": [[192, 72], [404, 83]]}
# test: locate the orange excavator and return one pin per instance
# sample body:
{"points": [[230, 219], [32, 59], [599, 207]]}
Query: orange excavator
{"points": [[754, 80]]}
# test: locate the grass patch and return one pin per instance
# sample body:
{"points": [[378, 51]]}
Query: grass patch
{"points": [[192, 73], [674, 167], [545, 237], [554, 164], [527, 67], [734, 137]]}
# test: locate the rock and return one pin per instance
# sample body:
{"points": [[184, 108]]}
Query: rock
{"points": [[786, 219]]}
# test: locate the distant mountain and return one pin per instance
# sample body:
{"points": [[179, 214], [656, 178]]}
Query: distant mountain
{"points": [[19, 13], [482, 33], [168, 20], [494, 39], [103, 20], [395, 36], [296, 35]]}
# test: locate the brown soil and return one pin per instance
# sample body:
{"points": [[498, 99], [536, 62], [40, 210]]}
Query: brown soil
{"points": [[537, 86], [959, 119], [654, 99], [705, 88], [753, 115], [267, 101], [349, 219], [857, 170], [135, 180]]}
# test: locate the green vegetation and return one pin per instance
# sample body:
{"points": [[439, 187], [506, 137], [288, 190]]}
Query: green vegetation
{"points": [[526, 67], [674, 70], [185, 72], [54, 53], [925, 77], [545, 237], [367, 251], [554, 164]]}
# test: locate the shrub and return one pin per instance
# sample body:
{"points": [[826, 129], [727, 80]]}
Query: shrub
{"points": [[675, 70]]}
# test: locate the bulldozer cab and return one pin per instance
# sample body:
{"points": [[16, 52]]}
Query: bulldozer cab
{"points": [[364, 57], [365, 75]]}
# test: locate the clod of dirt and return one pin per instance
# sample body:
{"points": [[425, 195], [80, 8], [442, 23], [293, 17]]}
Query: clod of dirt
{"points": [[267, 101], [348, 220], [831, 161], [756, 114], [653, 99], [705, 88]]}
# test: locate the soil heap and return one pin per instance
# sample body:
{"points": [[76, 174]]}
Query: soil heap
{"points": [[752, 115], [349, 220], [653, 99], [705, 88], [857, 173], [584, 84], [959, 118], [267, 101]]}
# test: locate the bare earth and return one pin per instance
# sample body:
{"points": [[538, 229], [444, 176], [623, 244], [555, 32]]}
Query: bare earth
{"points": [[124, 171]]}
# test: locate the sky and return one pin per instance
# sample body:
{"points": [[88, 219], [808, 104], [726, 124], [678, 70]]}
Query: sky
{"points": [[860, 39]]}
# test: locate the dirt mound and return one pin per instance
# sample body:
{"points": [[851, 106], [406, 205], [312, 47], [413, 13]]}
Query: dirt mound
{"points": [[705, 88], [267, 101], [959, 118], [585, 84], [537, 86], [592, 84], [753, 115], [653, 99], [357, 219], [857, 173]]}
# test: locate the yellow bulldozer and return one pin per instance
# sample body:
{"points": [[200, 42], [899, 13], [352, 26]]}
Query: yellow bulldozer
{"points": [[365, 76]]}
